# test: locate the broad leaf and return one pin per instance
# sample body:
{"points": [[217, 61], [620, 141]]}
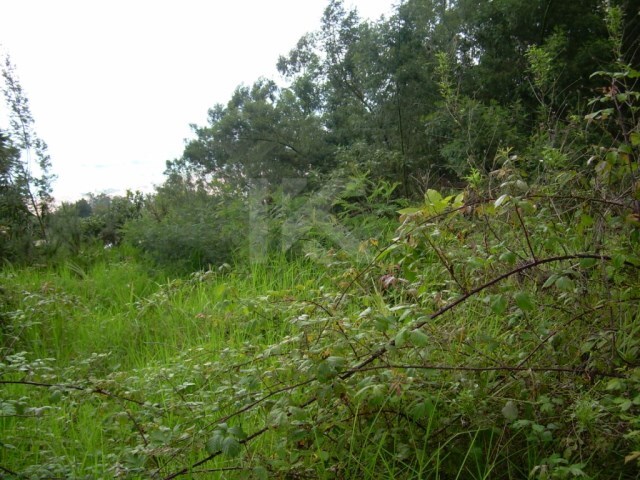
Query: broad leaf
{"points": [[524, 301], [419, 338]]}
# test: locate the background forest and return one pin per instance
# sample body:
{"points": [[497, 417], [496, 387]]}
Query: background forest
{"points": [[416, 255]]}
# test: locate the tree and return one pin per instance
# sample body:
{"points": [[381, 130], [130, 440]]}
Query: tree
{"points": [[29, 179], [498, 35], [263, 132], [15, 218]]}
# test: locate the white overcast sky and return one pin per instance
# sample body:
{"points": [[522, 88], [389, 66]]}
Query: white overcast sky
{"points": [[113, 85]]}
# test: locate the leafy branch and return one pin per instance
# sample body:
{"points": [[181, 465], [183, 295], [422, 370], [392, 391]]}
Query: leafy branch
{"points": [[365, 365]]}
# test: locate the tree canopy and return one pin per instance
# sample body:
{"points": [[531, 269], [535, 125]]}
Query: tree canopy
{"points": [[436, 89]]}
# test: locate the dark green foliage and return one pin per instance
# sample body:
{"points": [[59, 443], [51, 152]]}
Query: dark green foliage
{"points": [[500, 33], [187, 229], [511, 70], [108, 215], [91, 221], [15, 218], [263, 132]]}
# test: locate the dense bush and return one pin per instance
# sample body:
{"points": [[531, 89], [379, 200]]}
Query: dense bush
{"points": [[189, 230]]}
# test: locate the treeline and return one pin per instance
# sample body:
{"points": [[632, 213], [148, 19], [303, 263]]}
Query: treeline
{"points": [[434, 91], [438, 92]]}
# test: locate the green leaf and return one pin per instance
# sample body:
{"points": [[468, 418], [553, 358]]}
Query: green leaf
{"points": [[432, 197], [377, 395], [56, 396], [231, 447], [329, 368], [550, 281], [336, 362], [502, 200], [526, 206], [382, 323], [625, 405], [296, 414], [618, 261], [401, 337], [537, 428], [635, 138], [261, 473], [615, 384], [237, 432], [498, 304], [565, 283], [422, 409], [409, 211], [604, 113], [633, 260], [419, 338], [576, 470], [278, 418], [524, 301], [7, 409], [520, 424], [587, 262], [625, 148], [508, 257], [632, 457], [458, 201], [585, 221], [510, 411], [214, 444]]}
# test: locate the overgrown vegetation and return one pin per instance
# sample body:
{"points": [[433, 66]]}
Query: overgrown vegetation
{"points": [[419, 260]]}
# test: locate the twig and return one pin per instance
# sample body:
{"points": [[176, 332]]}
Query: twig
{"points": [[186, 470], [99, 391], [142, 435], [445, 262], [575, 371], [526, 233], [385, 348], [262, 399], [6, 470], [465, 297]]}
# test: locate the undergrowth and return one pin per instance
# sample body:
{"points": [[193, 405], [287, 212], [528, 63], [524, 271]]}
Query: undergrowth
{"points": [[495, 336], [491, 338]]}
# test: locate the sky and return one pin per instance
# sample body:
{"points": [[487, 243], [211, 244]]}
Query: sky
{"points": [[114, 85]]}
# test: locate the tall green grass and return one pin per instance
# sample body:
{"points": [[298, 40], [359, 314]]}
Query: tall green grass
{"points": [[111, 368], [118, 325]]}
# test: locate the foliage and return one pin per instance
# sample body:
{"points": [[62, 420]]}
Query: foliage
{"points": [[98, 220], [263, 132], [15, 216], [616, 114], [481, 332], [321, 326], [186, 229], [439, 87], [25, 184], [103, 217]]}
